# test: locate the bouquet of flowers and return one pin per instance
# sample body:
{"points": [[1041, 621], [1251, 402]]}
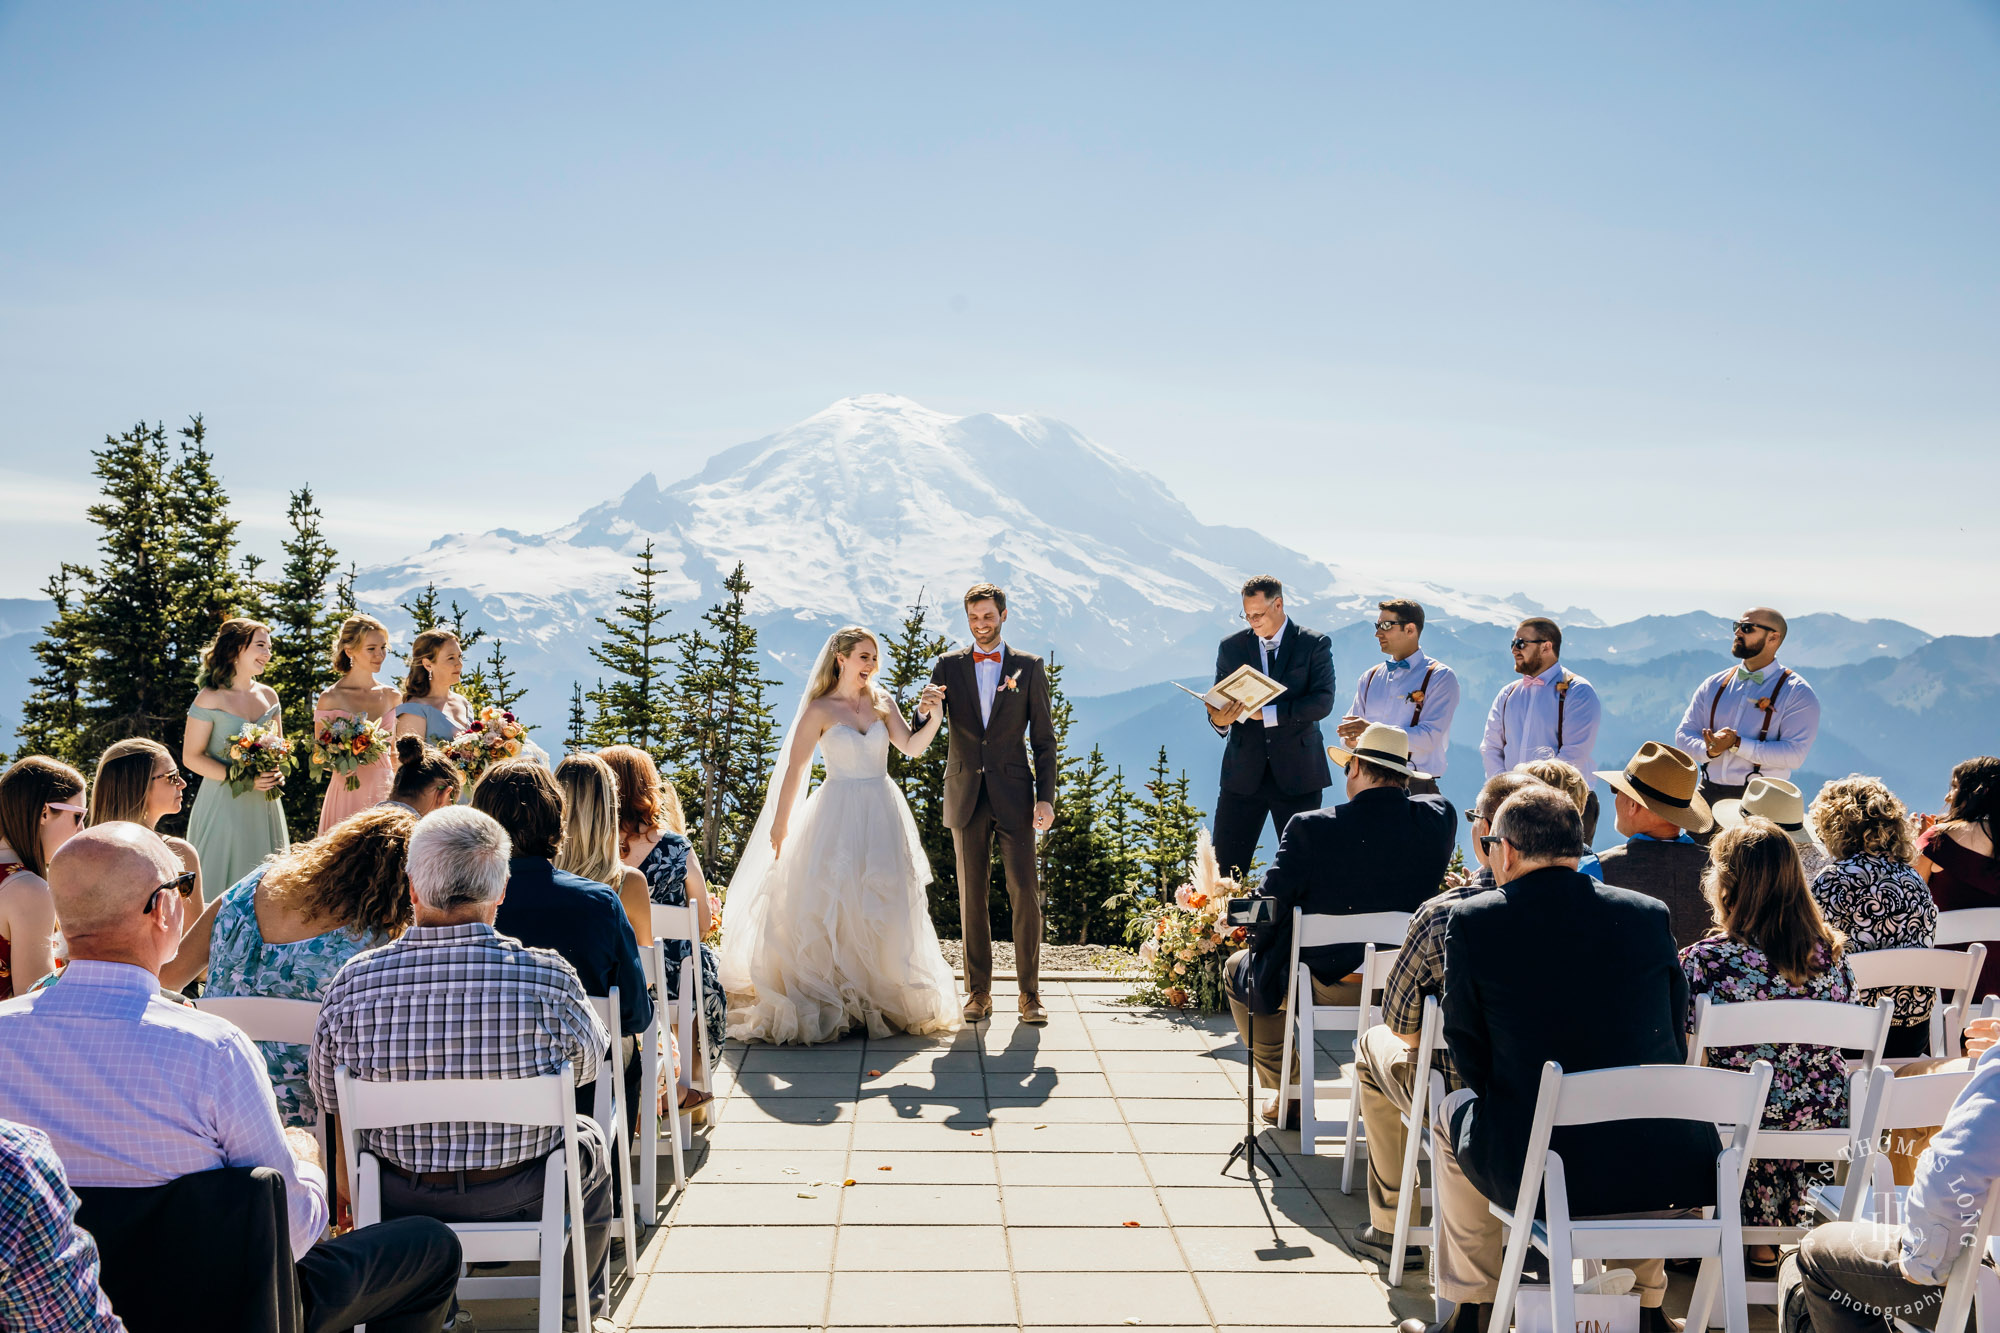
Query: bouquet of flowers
{"points": [[348, 744], [1185, 943], [255, 752], [714, 937], [494, 735]]}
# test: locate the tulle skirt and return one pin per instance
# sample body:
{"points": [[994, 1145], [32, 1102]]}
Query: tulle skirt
{"points": [[838, 934]]}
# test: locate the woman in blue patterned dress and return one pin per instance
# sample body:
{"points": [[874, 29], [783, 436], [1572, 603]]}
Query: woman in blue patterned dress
{"points": [[1770, 942], [287, 927], [652, 836]]}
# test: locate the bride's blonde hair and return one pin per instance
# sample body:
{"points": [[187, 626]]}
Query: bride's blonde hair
{"points": [[843, 644]]}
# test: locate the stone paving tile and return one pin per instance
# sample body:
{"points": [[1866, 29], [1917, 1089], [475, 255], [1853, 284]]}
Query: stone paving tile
{"points": [[1119, 1249], [968, 1112], [726, 1249], [1062, 1062], [1053, 1110], [922, 1205], [923, 1168], [774, 1300], [927, 1084], [758, 1084], [739, 1166], [1183, 1111], [1092, 1169], [1195, 1207], [928, 1299], [890, 1135], [772, 1136], [1301, 1299], [1107, 1298], [902, 1248], [817, 1059], [760, 1205], [1081, 1206], [1176, 1083], [1306, 1249], [1036, 1083], [1061, 1137]]}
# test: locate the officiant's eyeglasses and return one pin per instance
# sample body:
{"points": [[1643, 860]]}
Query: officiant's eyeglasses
{"points": [[182, 884]]}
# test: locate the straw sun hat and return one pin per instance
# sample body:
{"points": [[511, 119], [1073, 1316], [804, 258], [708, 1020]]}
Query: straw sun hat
{"points": [[1381, 745], [1773, 799]]}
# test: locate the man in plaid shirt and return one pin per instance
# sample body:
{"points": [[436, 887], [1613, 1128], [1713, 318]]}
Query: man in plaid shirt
{"points": [[48, 1268], [453, 998], [1468, 1248]]}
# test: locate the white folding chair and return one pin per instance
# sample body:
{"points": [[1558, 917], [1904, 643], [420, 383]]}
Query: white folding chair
{"points": [[649, 1143], [1969, 1278], [1968, 925], [1642, 1092], [1806, 1023], [1375, 964], [1417, 1142], [1304, 1019], [608, 1110], [263, 1019], [545, 1102], [1891, 1105], [1953, 975]]}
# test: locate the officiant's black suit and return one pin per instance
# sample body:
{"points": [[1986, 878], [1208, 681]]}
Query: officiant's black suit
{"points": [[1274, 772], [990, 791]]}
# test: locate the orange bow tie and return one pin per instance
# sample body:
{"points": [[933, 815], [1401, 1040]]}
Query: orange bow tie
{"points": [[978, 656]]}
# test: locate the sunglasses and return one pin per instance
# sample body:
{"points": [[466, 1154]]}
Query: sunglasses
{"points": [[1745, 626], [1489, 841], [1472, 816], [182, 884], [171, 775], [1381, 625], [1518, 644]]}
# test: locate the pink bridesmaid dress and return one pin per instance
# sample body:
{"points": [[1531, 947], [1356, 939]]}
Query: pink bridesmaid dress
{"points": [[376, 779]]}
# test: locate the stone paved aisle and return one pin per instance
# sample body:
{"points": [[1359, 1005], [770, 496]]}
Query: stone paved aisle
{"points": [[1018, 1160]]}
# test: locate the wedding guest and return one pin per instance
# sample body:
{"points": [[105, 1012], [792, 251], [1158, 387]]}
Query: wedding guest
{"points": [[1784, 805], [1564, 778], [1549, 713], [1410, 690], [1955, 855], [292, 923], [48, 1264], [41, 808], [360, 647], [547, 908], [1657, 806], [432, 709], [424, 1007], [1624, 1002], [1468, 1236], [425, 779], [589, 846], [138, 782], [232, 833], [1771, 943], [1756, 717], [1849, 1272], [167, 1090], [1869, 893], [1383, 850], [1274, 764], [652, 835]]}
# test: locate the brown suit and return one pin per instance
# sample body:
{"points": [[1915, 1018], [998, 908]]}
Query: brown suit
{"points": [[989, 788]]}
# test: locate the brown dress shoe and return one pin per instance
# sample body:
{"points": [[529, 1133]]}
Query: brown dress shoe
{"points": [[979, 1007], [1032, 1011]]}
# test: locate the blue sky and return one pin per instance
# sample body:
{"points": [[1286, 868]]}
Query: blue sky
{"points": [[1633, 307]]}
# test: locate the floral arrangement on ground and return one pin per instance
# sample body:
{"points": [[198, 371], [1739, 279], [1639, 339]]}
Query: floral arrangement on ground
{"points": [[1183, 944]]}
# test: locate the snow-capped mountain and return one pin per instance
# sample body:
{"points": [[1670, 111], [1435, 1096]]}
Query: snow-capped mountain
{"points": [[850, 514]]}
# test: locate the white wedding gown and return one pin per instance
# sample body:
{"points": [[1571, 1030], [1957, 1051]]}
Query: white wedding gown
{"points": [[838, 933]]}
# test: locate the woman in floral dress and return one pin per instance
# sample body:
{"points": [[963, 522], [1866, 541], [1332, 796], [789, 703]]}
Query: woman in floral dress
{"points": [[1870, 893], [652, 836], [1770, 942], [288, 926]]}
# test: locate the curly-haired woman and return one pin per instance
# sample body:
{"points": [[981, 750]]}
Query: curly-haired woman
{"points": [[1869, 893], [290, 924]]}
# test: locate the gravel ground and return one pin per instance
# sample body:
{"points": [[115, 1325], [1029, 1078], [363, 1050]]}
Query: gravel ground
{"points": [[1055, 957]]}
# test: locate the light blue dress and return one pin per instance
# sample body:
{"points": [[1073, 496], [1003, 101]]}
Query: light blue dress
{"points": [[438, 728], [242, 962], [233, 834]]}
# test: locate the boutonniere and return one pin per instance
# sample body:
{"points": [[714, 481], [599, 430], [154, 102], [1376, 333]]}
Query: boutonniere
{"points": [[1562, 686], [1765, 704], [1012, 682], [1414, 697]]}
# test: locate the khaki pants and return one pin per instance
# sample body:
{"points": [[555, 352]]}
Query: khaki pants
{"points": [[1264, 1034], [1468, 1235]]}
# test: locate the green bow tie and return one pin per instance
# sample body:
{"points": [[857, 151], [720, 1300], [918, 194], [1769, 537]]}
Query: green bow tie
{"points": [[1754, 677]]}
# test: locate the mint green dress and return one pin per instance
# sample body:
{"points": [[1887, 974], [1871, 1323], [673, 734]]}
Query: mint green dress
{"points": [[233, 835]]}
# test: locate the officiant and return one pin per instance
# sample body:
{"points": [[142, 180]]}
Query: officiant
{"points": [[1274, 763]]}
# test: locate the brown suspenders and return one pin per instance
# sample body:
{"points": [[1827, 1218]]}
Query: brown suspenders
{"points": [[1562, 703], [1422, 691], [1769, 713]]}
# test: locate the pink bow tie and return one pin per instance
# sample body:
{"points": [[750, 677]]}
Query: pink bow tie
{"points": [[1532, 681]]}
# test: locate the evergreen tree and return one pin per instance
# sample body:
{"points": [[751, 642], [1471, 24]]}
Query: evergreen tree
{"points": [[52, 717], [302, 626], [578, 737], [634, 647], [1169, 826], [126, 623], [502, 688], [207, 589], [343, 592], [911, 655], [724, 740]]}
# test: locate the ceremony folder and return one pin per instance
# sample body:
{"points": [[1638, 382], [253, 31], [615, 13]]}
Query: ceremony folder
{"points": [[1246, 685]]}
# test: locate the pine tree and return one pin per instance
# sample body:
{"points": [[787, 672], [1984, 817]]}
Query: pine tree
{"points": [[207, 588], [427, 612], [1170, 825], [52, 717], [633, 649], [725, 740], [302, 625], [343, 592], [578, 737], [911, 655], [502, 688]]}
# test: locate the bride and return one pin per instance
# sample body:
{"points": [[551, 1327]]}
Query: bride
{"points": [[829, 927]]}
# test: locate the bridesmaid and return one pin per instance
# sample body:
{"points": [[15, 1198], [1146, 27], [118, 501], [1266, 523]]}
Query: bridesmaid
{"points": [[41, 808], [432, 709], [359, 650], [233, 835], [138, 782]]}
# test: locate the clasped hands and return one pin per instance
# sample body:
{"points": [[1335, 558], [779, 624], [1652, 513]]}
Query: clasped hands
{"points": [[1720, 742]]}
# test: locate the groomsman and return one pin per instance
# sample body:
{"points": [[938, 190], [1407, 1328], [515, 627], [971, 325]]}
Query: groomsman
{"points": [[1754, 718], [1415, 693], [1274, 765], [1549, 713]]}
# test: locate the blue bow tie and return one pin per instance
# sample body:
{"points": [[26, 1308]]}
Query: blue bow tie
{"points": [[1403, 665]]}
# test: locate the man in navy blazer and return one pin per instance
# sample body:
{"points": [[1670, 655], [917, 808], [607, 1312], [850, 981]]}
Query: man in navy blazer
{"points": [[1274, 765], [1552, 965]]}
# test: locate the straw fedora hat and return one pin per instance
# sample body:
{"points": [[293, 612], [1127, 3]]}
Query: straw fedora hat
{"points": [[1771, 798], [1665, 781], [1381, 745]]}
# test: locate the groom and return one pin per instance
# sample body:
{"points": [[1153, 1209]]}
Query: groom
{"points": [[995, 700]]}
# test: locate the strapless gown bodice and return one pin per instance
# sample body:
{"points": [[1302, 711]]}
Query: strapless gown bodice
{"points": [[852, 756]]}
